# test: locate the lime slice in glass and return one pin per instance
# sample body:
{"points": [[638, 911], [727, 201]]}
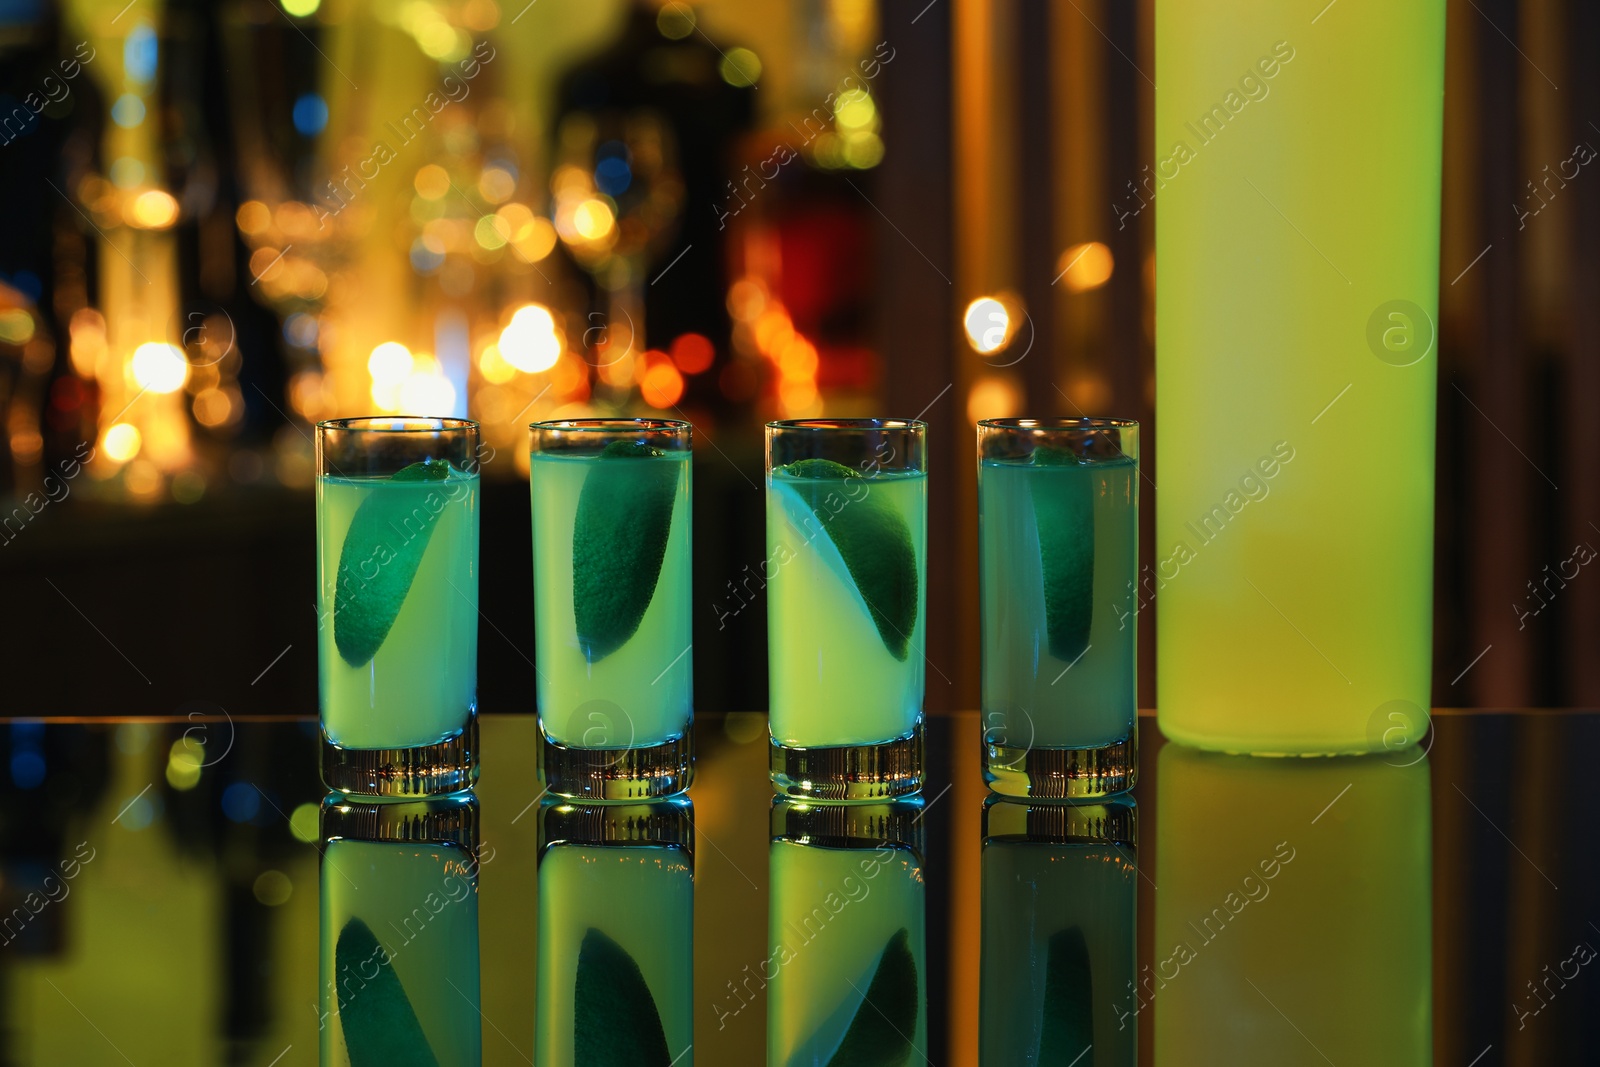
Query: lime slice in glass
{"points": [[380, 1026], [1063, 508], [870, 536], [379, 559], [619, 539]]}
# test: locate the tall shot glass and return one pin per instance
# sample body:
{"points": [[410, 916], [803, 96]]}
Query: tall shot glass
{"points": [[397, 604], [612, 596], [846, 569], [1058, 536]]}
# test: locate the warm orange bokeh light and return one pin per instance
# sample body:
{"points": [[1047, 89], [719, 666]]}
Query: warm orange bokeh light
{"points": [[693, 353], [661, 386]]}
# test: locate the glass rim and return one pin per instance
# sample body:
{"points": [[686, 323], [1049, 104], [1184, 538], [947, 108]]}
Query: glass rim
{"points": [[610, 425], [406, 424], [1059, 422], [848, 424]]}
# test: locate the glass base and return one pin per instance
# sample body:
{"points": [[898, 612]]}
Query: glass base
{"points": [[639, 773], [447, 766], [1063, 772], [851, 772], [449, 819]]}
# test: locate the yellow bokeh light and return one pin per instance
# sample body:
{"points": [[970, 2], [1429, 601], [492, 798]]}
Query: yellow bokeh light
{"points": [[675, 20], [432, 182], [491, 232], [994, 396], [593, 219], [1085, 266], [122, 441], [213, 407], [16, 326], [855, 110], [152, 209], [253, 217], [390, 362], [159, 367], [301, 8], [428, 394], [272, 888], [493, 366], [740, 67], [534, 241], [530, 342], [988, 325], [496, 184], [303, 822], [796, 396]]}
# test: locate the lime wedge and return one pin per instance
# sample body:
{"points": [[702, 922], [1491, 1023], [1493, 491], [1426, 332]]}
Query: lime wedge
{"points": [[381, 553], [872, 539], [619, 539], [882, 1029], [1063, 508], [380, 1026], [615, 1019], [1068, 1027]]}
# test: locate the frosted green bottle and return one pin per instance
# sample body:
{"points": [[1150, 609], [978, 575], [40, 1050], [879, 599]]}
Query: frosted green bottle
{"points": [[1296, 196], [1291, 890]]}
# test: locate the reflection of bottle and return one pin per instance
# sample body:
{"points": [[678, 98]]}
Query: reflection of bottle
{"points": [[847, 916], [399, 959], [616, 933], [1297, 261], [1059, 904], [1295, 911]]}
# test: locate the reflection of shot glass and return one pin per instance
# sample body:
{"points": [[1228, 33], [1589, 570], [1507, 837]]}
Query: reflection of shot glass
{"points": [[397, 589], [611, 581], [846, 976], [616, 933], [1058, 523], [399, 932], [1059, 944], [847, 517]]}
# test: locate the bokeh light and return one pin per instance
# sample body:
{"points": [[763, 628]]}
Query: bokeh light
{"points": [[530, 342], [1085, 266], [160, 367], [988, 325]]}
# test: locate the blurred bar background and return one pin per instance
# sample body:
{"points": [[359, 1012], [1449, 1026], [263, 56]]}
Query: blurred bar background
{"points": [[229, 220]]}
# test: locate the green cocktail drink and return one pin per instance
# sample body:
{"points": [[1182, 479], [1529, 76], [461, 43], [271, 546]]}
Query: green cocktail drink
{"points": [[846, 572], [846, 972], [397, 577], [399, 938], [616, 935], [1297, 186], [1058, 523], [612, 597], [1060, 885]]}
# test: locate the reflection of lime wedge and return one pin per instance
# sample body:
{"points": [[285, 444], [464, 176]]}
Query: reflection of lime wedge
{"points": [[882, 1029], [615, 1019], [380, 1026], [381, 553], [619, 539], [1068, 1001], [872, 539], [1063, 508]]}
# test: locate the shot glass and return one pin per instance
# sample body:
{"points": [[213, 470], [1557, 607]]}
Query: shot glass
{"points": [[397, 604], [616, 933], [846, 974], [399, 931], [1059, 951], [846, 567], [1058, 535], [612, 596]]}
